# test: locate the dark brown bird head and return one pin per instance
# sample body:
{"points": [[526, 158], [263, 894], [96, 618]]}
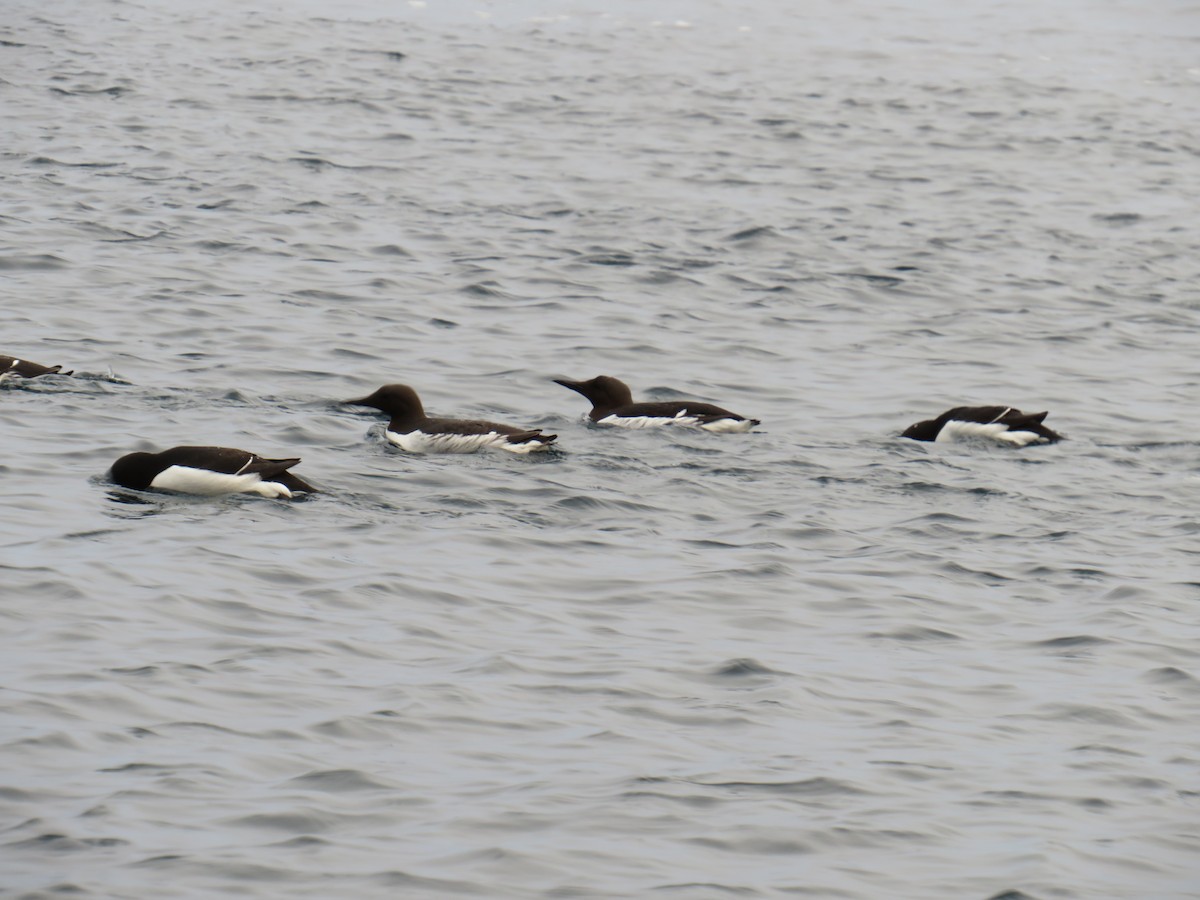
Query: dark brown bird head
{"points": [[397, 400], [604, 391]]}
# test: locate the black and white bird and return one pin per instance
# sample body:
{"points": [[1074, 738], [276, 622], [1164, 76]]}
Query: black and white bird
{"points": [[1003, 424], [10, 365], [612, 404], [410, 429], [209, 471]]}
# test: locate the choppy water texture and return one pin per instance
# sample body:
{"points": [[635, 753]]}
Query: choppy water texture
{"points": [[814, 660]]}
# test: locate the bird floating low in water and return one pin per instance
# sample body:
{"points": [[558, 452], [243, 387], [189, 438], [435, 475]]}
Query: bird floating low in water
{"points": [[612, 404], [209, 471], [1003, 424], [410, 429]]}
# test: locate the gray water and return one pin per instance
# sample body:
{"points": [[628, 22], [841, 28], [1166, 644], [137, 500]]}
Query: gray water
{"points": [[814, 660]]}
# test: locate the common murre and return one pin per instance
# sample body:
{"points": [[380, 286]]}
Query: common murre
{"points": [[1004, 424], [209, 471], [11, 365], [410, 429], [612, 404]]}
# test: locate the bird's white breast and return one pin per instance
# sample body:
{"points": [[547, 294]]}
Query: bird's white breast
{"points": [[955, 430], [420, 442], [188, 480], [728, 426], [718, 426], [681, 418]]}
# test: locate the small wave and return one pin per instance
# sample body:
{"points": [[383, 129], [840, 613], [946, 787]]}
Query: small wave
{"points": [[61, 843], [1072, 642], [916, 634], [808, 787], [1171, 675], [113, 91], [340, 780], [881, 280], [36, 262], [316, 162], [741, 668], [608, 259]]}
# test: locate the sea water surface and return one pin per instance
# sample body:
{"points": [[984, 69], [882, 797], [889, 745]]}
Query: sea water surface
{"points": [[814, 660]]}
